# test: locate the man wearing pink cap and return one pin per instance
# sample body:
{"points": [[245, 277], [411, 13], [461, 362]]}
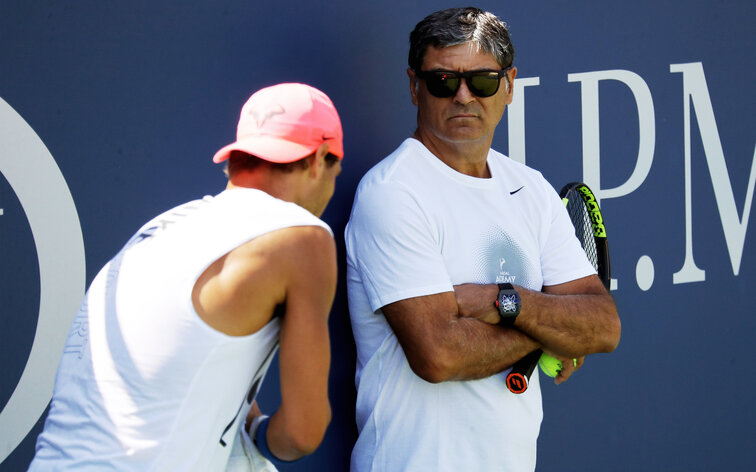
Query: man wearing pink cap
{"points": [[174, 337]]}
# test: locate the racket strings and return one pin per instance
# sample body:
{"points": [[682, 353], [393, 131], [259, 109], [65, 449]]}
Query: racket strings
{"points": [[583, 226]]}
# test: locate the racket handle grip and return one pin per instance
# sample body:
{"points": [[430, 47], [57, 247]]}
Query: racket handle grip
{"points": [[519, 377]]}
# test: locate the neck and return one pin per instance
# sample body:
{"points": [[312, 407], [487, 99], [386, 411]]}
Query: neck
{"points": [[466, 157], [275, 184]]}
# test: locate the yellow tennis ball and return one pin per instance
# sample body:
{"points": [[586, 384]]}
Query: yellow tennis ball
{"points": [[550, 366]]}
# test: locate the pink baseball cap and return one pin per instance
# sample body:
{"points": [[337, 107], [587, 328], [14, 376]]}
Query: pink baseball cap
{"points": [[286, 122]]}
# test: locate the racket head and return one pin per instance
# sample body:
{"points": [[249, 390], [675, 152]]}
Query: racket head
{"points": [[590, 229]]}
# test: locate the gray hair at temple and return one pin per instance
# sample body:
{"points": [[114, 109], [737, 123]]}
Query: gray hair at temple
{"points": [[457, 26]]}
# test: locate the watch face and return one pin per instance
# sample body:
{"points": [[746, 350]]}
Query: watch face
{"points": [[508, 302]]}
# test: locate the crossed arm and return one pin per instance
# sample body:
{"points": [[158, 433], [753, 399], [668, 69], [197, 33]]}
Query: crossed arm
{"points": [[454, 336]]}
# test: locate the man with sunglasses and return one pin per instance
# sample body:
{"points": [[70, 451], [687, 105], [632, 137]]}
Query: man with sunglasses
{"points": [[461, 262]]}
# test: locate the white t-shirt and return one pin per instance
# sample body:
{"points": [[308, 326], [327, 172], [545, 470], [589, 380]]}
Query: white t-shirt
{"points": [[144, 383], [417, 228]]}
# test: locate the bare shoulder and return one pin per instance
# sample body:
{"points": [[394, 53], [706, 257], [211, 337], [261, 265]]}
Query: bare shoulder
{"points": [[277, 251], [301, 241], [238, 293]]}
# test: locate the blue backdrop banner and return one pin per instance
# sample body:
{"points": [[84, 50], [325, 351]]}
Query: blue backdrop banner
{"points": [[111, 111]]}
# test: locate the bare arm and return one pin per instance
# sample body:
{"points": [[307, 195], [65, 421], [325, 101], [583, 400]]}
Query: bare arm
{"points": [[476, 301], [573, 319], [298, 426], [569, 320], [442, 344], [238, 295], [454, 336]]}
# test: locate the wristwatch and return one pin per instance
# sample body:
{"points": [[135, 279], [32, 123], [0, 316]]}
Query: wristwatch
{"points": [[508, 303]]}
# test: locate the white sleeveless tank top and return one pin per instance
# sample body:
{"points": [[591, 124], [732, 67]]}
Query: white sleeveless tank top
{"points": [[144, 383]]}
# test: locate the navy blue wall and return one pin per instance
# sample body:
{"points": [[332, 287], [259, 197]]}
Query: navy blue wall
{"points": [[132, 99]]}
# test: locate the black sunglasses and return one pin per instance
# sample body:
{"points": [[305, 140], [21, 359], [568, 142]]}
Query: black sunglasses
{"points": [[445, 83]]}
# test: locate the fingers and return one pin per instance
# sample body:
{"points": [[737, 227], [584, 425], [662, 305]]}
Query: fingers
{"points": [[254, 412], [569, 366]]}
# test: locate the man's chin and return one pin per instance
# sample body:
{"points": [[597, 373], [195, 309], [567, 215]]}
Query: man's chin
{"points": [[465, 136]]}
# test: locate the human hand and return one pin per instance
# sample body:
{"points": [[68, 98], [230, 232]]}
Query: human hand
{"points": [[477, 301], [254, 412], [244, 455], [569, 366]]}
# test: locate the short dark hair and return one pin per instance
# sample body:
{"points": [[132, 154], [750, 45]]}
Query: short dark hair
{"points": [[241, 161], [455, 26]]}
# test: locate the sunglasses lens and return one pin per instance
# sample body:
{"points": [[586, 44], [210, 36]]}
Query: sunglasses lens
{"points": [[484, 85], [442, 85], [445, 84]]}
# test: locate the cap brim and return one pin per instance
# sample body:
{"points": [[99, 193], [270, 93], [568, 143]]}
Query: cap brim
{"points": [[266, 147]]}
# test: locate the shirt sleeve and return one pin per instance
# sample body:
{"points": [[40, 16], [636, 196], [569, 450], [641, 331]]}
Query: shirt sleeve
{"points": [[394, 246], [562, 256]]}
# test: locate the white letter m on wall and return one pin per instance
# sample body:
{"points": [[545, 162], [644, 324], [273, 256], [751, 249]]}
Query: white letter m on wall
{"points": [[695, 91]]}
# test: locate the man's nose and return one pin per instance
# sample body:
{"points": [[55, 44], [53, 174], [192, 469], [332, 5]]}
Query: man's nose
{"points": [[463, 95]]}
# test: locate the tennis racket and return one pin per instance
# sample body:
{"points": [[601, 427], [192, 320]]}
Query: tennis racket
{"points": [[586, 217]]}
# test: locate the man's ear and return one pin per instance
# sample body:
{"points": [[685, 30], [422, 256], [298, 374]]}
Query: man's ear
{"points": [[413, 85], [511, 74], [317, 160]]}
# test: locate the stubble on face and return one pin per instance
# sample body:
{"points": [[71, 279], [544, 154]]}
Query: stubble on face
{"points": [[459, 127]]}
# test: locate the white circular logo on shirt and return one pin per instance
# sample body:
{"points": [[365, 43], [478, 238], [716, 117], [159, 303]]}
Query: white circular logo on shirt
{"points": [[35, 178], [501, 260]]}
